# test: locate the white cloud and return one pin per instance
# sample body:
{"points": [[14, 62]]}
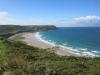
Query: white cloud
{"points": [[88, 18], [81, 21], [6, 18], [3, 14]]}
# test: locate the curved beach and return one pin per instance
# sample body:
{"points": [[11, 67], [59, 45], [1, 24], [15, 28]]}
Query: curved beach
{"points": [[34, 40]]}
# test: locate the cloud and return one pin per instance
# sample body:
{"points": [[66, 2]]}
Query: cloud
{"points": [[3, 14], [7, 18], [81, 21], [88, 18]]}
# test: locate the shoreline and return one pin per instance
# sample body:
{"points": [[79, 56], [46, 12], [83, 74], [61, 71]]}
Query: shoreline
{"points": [[35, 40], [30, 38]]}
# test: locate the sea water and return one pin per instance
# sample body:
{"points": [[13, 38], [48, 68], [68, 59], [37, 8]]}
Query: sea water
{"points": [[80, 40]]}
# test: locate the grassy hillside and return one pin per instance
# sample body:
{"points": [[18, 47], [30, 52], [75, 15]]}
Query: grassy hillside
{"points": [[8, 30], [16, 28], [17, 58]]}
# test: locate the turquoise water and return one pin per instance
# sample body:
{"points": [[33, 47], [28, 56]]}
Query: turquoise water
{"points": [[82, 40]]}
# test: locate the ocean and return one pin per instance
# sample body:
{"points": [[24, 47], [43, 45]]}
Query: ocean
{"points": [[83, 41]]}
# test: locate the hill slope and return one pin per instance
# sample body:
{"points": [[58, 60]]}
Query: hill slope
{"points": [[17, 58], [8, 30]]}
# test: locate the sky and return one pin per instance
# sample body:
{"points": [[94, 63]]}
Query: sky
{"points": [[51, 12]]}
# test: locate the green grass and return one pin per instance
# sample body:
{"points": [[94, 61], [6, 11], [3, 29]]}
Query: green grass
{"points": [[17, 58]]}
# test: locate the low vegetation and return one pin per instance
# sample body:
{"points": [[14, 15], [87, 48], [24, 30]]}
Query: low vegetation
{"points": [[8, 30], [17, 58], [18, 28]]}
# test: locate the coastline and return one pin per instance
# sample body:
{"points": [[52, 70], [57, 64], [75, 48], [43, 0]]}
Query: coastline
{"points": [[35, 40], [31, 38]]}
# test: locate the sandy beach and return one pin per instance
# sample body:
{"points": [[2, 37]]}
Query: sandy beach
{"points": [[31, 39]]}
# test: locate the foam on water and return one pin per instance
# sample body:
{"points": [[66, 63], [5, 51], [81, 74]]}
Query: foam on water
{"points": [[78, 51], [41, 39], [95, 51]]}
